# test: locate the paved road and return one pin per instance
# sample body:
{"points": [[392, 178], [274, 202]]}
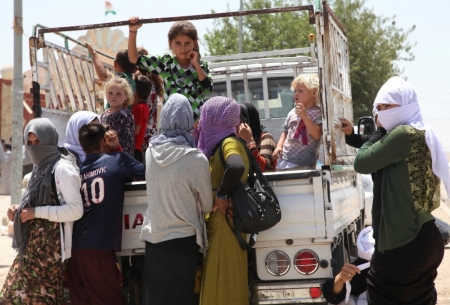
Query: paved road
{"points": [[7, 254]]}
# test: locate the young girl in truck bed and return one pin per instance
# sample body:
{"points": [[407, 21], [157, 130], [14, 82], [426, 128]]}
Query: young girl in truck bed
{"points": [[298, 146], [119, 95], [183, 73]]}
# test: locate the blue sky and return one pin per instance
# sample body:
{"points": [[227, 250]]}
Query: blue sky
{"points": [[428, 73]]}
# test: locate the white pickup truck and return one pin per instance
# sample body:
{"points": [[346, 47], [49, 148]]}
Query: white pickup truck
{"points": [[322, 209]]}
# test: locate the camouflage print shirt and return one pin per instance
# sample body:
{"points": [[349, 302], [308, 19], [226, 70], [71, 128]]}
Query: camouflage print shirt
{"points": [[409, 191], [179, 80]]}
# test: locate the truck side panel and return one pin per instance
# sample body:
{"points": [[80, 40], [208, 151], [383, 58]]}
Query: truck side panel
{"points": [[302, 213], [133, 216], [346, 196]]}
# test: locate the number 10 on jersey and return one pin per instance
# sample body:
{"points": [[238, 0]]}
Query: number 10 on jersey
{"points": [[95, 193]]}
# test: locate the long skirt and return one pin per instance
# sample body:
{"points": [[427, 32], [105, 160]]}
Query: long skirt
{"points": [[224, 275], [95, 278], [169, 271], [406, 275], [40, 279]]}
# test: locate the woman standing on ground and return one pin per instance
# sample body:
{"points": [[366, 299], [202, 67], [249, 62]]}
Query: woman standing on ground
{"points": [[224, 276], [43, 221], [408, 245], [174, 229]]}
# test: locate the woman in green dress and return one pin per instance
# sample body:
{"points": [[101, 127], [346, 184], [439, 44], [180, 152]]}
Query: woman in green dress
{"points": [[224, 276]]}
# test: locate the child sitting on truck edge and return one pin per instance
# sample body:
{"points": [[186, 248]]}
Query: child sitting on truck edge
{"points": [[94, 274], [298, 146]]}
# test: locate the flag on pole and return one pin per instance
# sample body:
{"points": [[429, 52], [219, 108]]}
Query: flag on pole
{"points": [[109, 9]]}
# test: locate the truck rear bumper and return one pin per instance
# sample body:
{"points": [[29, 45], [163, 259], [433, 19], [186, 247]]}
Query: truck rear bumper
{"points": [[286, 292]]}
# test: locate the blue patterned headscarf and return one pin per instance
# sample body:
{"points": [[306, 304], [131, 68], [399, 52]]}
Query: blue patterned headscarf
{"points": [[176, 121]]}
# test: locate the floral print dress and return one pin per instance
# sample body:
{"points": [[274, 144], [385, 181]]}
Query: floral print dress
{"points": [[40, 280], [121, 122]]}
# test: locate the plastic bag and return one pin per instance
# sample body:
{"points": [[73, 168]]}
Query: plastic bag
{"points": [[444, 228]]}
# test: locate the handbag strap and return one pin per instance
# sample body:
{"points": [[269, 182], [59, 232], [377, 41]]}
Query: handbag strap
{"points": [[251, 179], [253, 168], [242, 242]]}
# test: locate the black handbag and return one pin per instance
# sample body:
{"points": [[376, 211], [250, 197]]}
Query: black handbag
{"points": [[255, 205]]}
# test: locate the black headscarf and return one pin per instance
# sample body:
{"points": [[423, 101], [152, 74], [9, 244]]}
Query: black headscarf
{"points": [[250, 115]]}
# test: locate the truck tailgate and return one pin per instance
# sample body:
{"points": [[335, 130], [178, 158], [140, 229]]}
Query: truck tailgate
{"points": [[302, 208]]}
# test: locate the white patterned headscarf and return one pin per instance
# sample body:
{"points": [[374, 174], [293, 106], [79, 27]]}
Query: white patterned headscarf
{"points": [[365, 243], [396, 91], [366, 247], [77, 120]]}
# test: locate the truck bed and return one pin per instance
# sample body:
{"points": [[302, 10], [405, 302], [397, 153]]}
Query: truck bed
{"points": [[306, 210]]}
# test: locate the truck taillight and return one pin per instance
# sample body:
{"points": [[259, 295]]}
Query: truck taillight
{"points": [[306, 262], [315, 292], [277, 263]]}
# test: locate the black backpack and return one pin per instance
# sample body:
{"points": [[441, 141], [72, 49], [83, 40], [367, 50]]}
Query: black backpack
{"points": [[255, 205]]}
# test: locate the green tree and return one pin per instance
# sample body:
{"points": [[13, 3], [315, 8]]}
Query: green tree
{"points": [[260, 32], [376, 44]]}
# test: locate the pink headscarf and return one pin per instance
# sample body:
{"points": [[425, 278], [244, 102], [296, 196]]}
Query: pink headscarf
{"points": [[219, 118]]}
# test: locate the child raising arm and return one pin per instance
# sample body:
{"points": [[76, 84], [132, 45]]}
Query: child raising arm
{"points": [[183, 73]]}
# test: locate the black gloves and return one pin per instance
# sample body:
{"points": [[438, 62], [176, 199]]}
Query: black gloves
{"points": [[378, 134]]}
